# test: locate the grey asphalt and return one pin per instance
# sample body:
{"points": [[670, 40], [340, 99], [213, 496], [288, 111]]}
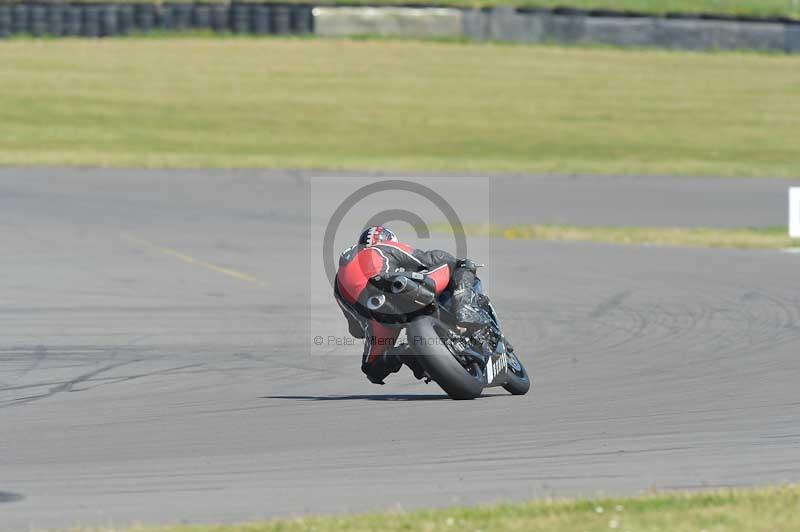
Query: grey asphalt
{"points": [[157, 362]]}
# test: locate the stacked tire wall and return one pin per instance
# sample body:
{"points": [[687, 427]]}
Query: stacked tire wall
{"points": [[120, 19]]}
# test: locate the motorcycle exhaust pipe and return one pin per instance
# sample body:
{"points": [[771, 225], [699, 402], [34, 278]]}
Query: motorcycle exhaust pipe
{"points": [[400, 285], [376, 302], [417, 292]]}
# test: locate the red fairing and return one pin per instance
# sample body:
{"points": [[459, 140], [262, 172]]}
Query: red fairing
{"points": [[354, 275], [441, 277]]}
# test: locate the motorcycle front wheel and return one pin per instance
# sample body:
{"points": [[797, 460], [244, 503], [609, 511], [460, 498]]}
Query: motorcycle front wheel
{"points": [[518, 381]]}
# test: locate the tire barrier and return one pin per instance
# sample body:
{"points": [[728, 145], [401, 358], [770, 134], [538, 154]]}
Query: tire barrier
{"points": [[125, 19], [220, 16], [19, 19], [260, 17], [302, 19], [90, 26], [177, 17], [282, 20], [120, 18], [37, 19], [240, 18], [201, 17], [560, 25], [72, 20], [108, 18], [145, 17], [55, 20], [5, 21]]}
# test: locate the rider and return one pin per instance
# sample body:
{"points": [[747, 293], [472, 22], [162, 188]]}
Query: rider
{"points": [[379, 251]]}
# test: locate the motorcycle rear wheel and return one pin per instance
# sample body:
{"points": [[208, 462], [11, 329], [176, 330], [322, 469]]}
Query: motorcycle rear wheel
{"points": [[426, 340]]}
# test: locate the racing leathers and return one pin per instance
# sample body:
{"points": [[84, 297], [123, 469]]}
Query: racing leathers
{"points": [[360, 264]]}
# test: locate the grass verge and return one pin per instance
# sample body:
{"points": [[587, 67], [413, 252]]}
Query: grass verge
{"points": [[741, 238], [396, 105], [752, 510]]}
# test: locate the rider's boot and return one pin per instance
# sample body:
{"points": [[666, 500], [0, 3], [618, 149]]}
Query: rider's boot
{"points": [[404, 353], [382, 367], [467, 315]]}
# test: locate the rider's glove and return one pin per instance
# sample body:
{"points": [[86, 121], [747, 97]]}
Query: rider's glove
{"points": [[468, 264]]}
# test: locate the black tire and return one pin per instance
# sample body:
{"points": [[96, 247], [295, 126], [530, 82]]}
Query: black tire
{"points": [[439, 362], [518, 382]]}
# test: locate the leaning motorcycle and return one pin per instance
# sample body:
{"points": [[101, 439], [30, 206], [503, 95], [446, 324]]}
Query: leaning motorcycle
{"points": [[463, 362]]}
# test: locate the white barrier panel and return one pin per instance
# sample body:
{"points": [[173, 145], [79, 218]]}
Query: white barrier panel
{"points": [[388, 21], [794, 212]]}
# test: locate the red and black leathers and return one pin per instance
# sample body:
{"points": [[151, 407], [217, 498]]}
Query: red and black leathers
{"points": [[358, 265]]}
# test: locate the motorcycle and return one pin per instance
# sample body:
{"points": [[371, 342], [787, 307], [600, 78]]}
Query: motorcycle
{"points": [[463, 362]]}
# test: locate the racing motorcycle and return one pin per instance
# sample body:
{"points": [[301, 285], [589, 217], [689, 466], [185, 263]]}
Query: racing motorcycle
{"points": [[461, 361]]}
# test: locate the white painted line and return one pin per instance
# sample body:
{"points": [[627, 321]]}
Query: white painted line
{"points": [[794, 212]]}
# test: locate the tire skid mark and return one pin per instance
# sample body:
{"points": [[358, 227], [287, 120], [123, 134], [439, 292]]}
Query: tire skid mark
{"points": [[66, 386], [609, 305], [38, 354], [127, 378], [8, 496], [707, 330]]}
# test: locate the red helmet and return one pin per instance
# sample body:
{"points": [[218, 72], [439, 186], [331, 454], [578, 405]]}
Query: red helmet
{"points": [[376, 234]]}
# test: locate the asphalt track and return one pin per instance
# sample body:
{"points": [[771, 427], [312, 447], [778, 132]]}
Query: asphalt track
{"points": [[156, 362]]}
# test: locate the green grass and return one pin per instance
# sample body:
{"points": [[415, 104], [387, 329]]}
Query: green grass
{"points": [[757, 8], [755, 510], [742, 238], [402, 105]]}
